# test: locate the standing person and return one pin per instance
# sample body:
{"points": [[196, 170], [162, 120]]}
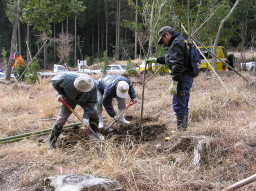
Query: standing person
{"points": [[19, 66], [182, 79], [75, 90], [114, 86]]}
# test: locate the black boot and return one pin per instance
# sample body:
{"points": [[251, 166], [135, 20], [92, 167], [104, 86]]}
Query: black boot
{"points": [[56, 131], [185, 122], [179, 123]]}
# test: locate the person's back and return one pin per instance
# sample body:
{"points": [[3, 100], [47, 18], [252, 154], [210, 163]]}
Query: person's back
{"points": [[19, 61]]}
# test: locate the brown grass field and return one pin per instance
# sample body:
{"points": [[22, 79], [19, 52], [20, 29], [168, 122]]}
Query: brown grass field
{"points": [[140, 160]]}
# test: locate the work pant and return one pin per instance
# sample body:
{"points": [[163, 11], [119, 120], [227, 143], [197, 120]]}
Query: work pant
{"points": [[181, 100], [64, 115], [120, 103]]}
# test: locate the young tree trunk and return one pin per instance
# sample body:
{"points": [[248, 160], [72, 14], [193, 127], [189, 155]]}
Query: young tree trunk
{"points": [[67, 25], [19, 32], [223, 21], [75, 46], [117, 49], [13, 45], [28, 43], [98, 38], [19, 38], [54, 45], [136, 33], [45, 56], [106, 18], [151, 31], [12, 50]]}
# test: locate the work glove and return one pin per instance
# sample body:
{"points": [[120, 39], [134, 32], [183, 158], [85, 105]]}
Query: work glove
{"points": [[134, 101], [174, 87], [86, 122], [60, 97], [151, 60]]}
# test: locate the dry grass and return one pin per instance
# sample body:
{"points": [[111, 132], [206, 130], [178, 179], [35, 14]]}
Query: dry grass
{"points": [[226, 116]]}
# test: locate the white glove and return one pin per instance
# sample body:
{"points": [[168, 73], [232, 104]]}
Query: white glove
{"points": [[86, 122], [60, 97], [173, 88]]}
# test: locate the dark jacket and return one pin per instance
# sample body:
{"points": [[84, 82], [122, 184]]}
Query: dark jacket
{"points": [[175, 57], [107, 87], [64, 84]]}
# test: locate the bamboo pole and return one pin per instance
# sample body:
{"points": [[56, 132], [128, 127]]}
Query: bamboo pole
{"points": [[31, 134], [241, 183]]}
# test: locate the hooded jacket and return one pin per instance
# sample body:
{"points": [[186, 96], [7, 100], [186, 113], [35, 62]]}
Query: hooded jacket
{"points": [[107, 87], [64, 85], [176, 57]]}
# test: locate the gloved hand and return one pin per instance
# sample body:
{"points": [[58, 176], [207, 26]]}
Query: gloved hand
{"points": [[174, 87], [134, 101], [59, 97], [151, 60], [86, 122]]}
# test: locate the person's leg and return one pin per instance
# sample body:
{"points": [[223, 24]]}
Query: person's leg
{"points": [[94, 122], [57, 128], [180, 101], [179, 107], [100, 109], [121, 107], [187, 84]]}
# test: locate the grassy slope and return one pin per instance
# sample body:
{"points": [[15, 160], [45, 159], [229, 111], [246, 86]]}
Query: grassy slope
{"points": [[228, 117]]}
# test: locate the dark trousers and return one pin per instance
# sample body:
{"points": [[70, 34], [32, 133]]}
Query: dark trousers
{"points": [[181, 100]]}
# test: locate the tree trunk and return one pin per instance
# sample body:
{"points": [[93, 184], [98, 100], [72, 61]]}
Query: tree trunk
{"points": [[98, 42], [150, 44], [13, 46], [67, 24], [223, 21], [19, 33], [136, 33], [12, 50], [45, 57], [106, 18], [54, 45], [75, 46], [28, 43], [117, 49]]}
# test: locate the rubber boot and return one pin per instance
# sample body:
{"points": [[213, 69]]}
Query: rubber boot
{"points": [[56, 131], [179, 123], [101, 124], [123, 120], [185, 122]]}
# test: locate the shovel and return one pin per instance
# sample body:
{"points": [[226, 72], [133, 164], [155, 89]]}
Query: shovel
{"points": [[99, 137], [118, 117]]}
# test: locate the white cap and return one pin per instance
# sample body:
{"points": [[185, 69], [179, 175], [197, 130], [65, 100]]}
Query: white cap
{"points": [[122, 89], [84, 83]]}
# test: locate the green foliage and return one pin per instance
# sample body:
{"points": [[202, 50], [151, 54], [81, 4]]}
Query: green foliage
{"points": [[31, 73], [43, 13], [104, 63], [27, 73], [130, 68], [19, 72]]}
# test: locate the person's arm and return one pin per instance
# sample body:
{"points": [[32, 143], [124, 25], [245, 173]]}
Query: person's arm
{"points": [[57, 86], [90, 111], [132, 91], [175, 60]]}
